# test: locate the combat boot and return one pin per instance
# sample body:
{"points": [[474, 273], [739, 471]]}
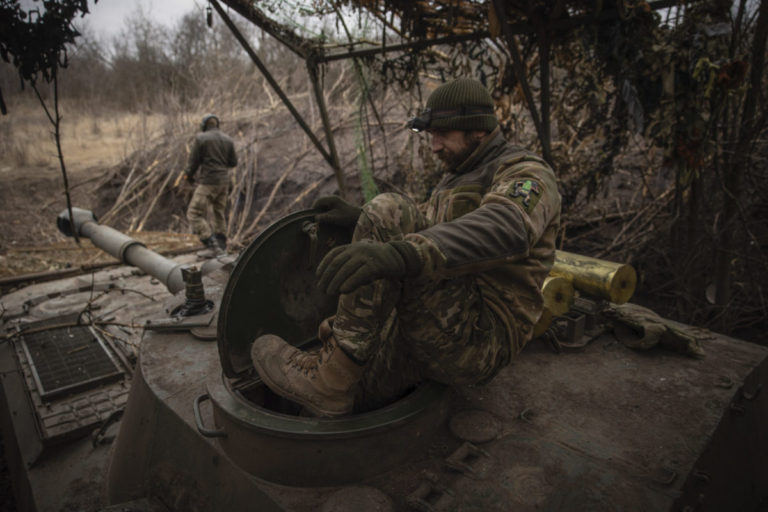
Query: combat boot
{"points": [[221, 241], [324, 381], [212, 248]]}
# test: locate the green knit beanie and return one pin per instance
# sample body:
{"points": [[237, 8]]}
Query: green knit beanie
{"points": [[464, 104]]}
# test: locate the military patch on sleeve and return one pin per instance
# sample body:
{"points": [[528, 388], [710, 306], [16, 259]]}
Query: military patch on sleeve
{"points": [[526, 193]]}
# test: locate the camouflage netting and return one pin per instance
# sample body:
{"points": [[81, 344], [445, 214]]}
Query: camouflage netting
{"points": [[645, 106]]}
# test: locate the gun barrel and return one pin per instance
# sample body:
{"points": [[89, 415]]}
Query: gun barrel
{"points": [[122, 247]]}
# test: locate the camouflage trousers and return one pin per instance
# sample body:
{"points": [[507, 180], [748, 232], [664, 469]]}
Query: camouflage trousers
{"points": [[418, 329], [208, 201]]}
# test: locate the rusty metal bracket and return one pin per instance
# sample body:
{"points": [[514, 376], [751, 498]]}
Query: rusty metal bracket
{"points": [[582, 325], [575, 334], [575, 327]]}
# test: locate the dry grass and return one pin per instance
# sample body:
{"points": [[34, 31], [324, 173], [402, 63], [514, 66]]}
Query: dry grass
{"points": [[65, 254], [88, 140]]}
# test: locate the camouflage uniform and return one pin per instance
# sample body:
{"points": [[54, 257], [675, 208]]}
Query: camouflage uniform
{"points": [[213, 153], [205, 199], [486, 237]]}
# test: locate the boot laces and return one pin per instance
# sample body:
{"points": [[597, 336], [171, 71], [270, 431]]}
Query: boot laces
{"points": [[309, 361]]}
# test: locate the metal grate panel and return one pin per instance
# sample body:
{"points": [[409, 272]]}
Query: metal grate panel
{"points": [[67, 359]]}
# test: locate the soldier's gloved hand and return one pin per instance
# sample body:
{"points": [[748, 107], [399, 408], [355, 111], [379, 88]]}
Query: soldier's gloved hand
{"points": [[334, 210], [347, 267]]}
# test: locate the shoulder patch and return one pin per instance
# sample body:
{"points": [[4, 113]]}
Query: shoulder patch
{"points": [[525, 192]]}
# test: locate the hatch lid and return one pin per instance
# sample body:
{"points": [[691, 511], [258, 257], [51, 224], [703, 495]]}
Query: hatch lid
{"points": [[273, 289]]}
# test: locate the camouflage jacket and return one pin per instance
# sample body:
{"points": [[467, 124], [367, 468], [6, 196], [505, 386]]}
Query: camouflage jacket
{"points": [[213, 153], [495, 216]]}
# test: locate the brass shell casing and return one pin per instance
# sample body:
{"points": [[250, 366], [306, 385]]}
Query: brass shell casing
{"points": [[596, 278], [558, 294]]}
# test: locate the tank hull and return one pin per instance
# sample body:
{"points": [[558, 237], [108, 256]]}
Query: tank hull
{"points": [[606, 428]]}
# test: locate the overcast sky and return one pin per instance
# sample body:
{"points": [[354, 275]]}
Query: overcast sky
{"points": [[107, 17]]}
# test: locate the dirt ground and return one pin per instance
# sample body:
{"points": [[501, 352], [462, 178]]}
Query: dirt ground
{"points": [[32, 190]]}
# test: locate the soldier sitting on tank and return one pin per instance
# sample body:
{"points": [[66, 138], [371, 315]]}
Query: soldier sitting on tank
{"points": [[448, 290], [213, 153]]}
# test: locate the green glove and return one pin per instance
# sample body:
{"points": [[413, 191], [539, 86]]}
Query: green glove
{"points": [[347, 267], [334, 210]]}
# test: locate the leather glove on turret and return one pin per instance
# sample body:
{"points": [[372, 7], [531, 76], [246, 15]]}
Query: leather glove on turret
{"points": [[347, 267], [334, 210]]}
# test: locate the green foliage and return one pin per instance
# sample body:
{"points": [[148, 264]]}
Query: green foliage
{"points": [[370, 190], [366, 175]]}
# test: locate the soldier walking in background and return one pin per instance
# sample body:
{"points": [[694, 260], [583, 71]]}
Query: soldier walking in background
{"points": [[448, 290], [213, 153]]}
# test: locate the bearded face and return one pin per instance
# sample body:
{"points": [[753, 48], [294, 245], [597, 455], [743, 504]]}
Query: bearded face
{"points": [[453, 147]]}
